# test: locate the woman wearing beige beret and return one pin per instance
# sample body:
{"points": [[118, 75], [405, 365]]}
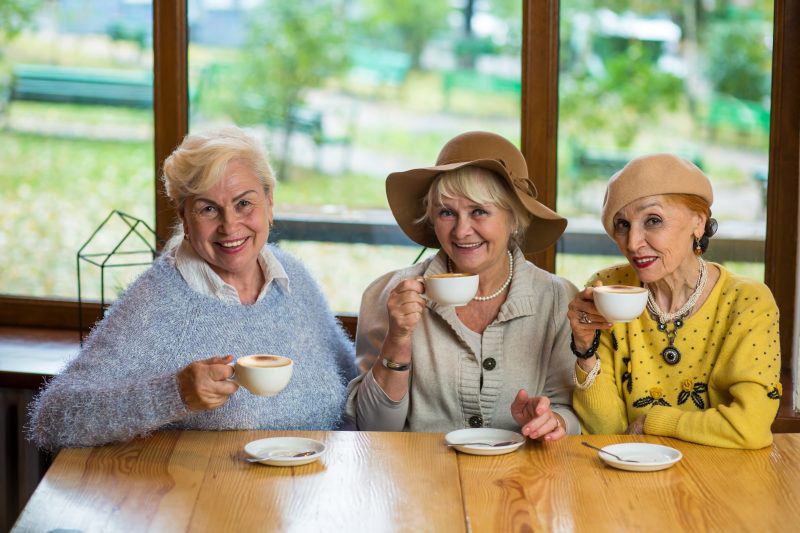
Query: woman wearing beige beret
{"points": [[702, 362]]}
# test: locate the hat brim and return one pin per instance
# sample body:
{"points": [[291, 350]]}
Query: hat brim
{"points": [[406, 191]]}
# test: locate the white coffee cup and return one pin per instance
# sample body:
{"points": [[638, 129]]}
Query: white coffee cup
{"points": [[263, 374], [451, 289], [620, 303]]}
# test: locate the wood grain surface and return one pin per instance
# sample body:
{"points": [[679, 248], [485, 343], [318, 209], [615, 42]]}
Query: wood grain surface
{"points": [[564, 486], [197, 481]]}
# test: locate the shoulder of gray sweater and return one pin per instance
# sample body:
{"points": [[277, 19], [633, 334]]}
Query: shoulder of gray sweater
{"points": [[160, 287]]}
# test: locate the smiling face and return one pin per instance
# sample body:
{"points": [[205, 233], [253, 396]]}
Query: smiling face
{"points": [[656, 235], [475, 236], [228, 224]]}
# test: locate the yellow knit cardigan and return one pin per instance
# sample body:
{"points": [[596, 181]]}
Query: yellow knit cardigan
{"points": [[725, 389]]}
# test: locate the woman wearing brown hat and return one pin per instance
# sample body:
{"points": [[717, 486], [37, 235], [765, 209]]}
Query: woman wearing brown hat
{"points": [[503, 360], [702, 362]]}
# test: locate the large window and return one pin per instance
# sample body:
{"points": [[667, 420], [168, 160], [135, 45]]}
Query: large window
{"points": [[77, 139], [690, 78], [342, 94]]}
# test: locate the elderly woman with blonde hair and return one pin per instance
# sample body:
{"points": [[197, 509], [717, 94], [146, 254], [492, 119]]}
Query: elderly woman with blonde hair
{"points": [[500, 361], [702, 361], [160, 357]]}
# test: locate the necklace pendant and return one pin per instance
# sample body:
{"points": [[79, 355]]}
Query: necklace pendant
{"points": [[671, 355], [662, 326], [678, 323]]}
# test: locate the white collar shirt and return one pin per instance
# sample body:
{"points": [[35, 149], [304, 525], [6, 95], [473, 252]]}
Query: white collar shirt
{"points": [[199, 275]]}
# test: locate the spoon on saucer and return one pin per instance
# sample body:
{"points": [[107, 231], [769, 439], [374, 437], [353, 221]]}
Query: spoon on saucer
{"points": [[279, 456], [489, 444], [617, 457]]}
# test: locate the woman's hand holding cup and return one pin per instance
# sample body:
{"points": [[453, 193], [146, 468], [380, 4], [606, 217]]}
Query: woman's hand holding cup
{"points": [[585, 319], [204, 385], [405, 307]]}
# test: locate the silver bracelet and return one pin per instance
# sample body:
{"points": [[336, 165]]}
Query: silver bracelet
{"points": [[397, 367], [589, 377]]}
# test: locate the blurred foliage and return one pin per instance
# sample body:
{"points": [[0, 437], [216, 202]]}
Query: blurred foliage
{"points": [[746, 73], [631, 86], [127, 31], [15, 15], [291, 47], [409, 25]]}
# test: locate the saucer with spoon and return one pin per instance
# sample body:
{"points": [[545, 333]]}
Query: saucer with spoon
{"points": [[484, 441], [284, 451], [637, 456]]}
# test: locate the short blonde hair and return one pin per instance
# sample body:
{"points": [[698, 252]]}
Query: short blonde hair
{"points": [[200, 161], [478, 185]]}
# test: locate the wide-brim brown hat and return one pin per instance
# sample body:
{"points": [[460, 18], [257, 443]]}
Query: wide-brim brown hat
{"points": [[406, 190]]}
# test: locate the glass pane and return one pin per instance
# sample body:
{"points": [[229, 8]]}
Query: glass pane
{"points": [[76, 142], [343, 93], [691, 78]]}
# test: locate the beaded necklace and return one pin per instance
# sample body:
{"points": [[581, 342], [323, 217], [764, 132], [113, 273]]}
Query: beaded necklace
{"points": [[671, 354], [499, 291]]}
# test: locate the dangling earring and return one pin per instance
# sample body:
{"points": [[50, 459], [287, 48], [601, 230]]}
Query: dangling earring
{"points": [[186, 236], [698, 250]]}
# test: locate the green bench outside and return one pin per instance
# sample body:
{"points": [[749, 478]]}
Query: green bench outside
{"points": [[603, 164], [78, 85], [472, 80], [302, 120], [379, 66], [741, 115]]}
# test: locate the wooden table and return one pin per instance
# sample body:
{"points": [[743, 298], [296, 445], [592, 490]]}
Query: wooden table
{"points": [[177, 481]]}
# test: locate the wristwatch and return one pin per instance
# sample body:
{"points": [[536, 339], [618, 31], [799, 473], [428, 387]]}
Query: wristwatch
{"points": [[398, 367]]}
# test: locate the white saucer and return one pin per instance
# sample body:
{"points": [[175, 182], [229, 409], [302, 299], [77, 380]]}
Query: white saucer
{"points": [[284, 448], [650, 456], [484, 435]]}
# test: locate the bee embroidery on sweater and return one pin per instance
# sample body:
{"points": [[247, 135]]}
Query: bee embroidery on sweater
{"points": [[656, 398], [694, 391], [776, 392]]}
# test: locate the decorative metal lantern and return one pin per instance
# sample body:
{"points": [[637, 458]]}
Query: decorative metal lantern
{"points": [[139, 232]]}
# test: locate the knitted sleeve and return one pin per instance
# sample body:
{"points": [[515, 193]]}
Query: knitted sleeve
{"points": [[367, 403], [558, 384], [746, 376], [601, 407], [101, 397]]}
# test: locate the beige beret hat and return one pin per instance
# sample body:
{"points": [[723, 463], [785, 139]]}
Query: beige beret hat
{"points": [[650, 175]]}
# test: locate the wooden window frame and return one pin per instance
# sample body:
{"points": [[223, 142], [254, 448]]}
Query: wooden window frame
{"points": [[539, 129]]}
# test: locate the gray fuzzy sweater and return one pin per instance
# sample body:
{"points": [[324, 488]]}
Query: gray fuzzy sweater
{"points": [[123, 383]]}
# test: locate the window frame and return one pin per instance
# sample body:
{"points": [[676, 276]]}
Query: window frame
{"points": [[539, 129]]}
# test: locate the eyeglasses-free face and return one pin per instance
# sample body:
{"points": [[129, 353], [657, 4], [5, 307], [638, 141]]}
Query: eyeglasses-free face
{"points": [[228, 224]]}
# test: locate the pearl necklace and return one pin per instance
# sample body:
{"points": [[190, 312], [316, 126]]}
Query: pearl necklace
{"points": [[671, 354], [687, 307], [499, 291]]}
